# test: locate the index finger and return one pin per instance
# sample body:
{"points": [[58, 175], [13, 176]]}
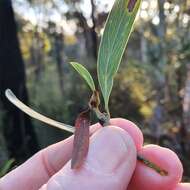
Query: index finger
{"points": [[148, 178], [37, 170]]}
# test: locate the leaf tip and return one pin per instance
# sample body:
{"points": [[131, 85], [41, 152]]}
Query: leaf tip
{"points": [[72, 63], [10, 95], [7, 92], [84, 74]]}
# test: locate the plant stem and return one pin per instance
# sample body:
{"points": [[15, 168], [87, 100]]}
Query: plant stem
{"points": [[94, 103], [152, 165], [140, 158], [104, 120]]}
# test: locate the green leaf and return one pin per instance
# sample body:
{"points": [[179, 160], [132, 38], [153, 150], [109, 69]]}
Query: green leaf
{"points": [[85, 74], [116, 34], [6, 167]]}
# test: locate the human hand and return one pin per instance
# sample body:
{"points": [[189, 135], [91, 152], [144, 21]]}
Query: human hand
{"points": [[110, 164]]}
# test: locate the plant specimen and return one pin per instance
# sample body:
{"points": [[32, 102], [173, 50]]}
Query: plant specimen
{"points": [[113, 43]]}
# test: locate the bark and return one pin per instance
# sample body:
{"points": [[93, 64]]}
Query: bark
{"points": [[93, 31], [91, 37], [186, 102], [58, 43], [144, 46], [36, 54], [89, 32], [18, 131], [160, 84]]}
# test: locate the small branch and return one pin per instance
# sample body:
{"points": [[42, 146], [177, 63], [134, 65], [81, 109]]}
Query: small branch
{"points": [[152, 165], [94, 106], [103, 118]]}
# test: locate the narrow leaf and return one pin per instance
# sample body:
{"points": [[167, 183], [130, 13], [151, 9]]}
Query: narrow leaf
{"points": [[116, 34], [81, 139], [85, 74], [13, 99]]}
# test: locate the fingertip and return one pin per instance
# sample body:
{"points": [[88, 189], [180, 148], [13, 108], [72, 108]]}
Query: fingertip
{"points": [[148, 178], [131, 128], [110, 145], [57, 155], [110, 163]]}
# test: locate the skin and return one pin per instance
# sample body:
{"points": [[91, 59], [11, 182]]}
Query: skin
{"points": [[110, 164]]}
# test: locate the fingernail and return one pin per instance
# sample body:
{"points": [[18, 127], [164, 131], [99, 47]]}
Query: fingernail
{"points": [[108, 149]]}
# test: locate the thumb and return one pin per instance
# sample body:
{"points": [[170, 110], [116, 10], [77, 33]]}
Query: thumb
{"points": [[109, 164]]}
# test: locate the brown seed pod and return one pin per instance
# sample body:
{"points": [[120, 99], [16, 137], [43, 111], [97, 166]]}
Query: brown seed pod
{"points": [[81, 139]]}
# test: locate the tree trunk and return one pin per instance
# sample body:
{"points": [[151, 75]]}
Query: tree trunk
{"points": [[143, 43], [36, 54], [58, 44], [18, 131], [160, 84], [186, 101], [93, 31]]}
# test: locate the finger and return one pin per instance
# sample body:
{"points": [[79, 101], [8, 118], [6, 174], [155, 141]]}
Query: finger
{"points": [[182, 186], [37, 170], [109, 164], [128, 126], [149, 179], [52, 159], [131, 128]]}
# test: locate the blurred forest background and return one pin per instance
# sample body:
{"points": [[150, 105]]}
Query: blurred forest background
{"points": [[38, 38]]}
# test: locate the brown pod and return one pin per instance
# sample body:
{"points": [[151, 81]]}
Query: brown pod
{"points": [[81, 139]]}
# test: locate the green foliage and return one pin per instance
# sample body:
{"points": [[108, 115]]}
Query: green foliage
{"points": [[117, 31], [129, 83], [84, 74], [47, 97], [6, 167]]}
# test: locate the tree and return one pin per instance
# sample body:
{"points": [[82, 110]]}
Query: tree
{"points": [[19, 133]]}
